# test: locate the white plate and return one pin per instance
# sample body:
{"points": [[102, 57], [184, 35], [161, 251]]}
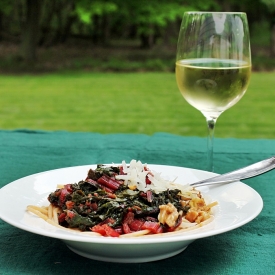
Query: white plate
{"points": [[238, 205]]}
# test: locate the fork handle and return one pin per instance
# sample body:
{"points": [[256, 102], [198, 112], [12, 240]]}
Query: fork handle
{"points": [[250, 171]]}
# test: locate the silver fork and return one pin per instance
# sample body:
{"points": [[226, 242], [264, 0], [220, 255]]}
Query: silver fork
{"points": [[250, 171]]}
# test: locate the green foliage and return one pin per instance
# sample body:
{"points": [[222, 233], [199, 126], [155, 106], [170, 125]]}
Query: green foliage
{"points": [[270, 4], [260, 34], [145, 15], [86, 9], [6, 6], [100, 22]]}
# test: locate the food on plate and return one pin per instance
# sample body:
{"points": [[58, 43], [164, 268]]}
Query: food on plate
{"points": [[126, 201]]}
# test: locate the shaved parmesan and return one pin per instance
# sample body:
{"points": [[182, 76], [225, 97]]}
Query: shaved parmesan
{"points": [[136, 173]]}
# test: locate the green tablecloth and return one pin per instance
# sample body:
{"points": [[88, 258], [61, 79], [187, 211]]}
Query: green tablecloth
{"points": [[246, 250]]}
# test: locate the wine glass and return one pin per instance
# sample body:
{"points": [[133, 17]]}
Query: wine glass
{"points": [[213, 64]]}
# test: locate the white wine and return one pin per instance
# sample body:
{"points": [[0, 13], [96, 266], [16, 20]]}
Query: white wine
{"points": [[212, 85]]}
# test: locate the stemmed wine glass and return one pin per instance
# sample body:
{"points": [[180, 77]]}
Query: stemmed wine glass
{"points": [[213, 64]]}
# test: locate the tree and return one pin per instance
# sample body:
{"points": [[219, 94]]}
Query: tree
{"points": [[5, 9], [148, 19], [30, 30], [271, 8], [96, 14], [49, 22], [57, 18], [151, 18]]}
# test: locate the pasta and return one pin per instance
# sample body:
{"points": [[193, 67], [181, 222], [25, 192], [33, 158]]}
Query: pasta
{"points": [[126, 201]]}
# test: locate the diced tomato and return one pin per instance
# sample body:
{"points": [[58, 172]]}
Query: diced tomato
{"points": [[129, 217], [119, 230], [152, 226], [88, 203], [136, 225], [121, 172], [147, 180], [105, 230], [126, 229], [98, 229], [160, 230], [70, 214], [93, 206], [62, 197], [69, 205], [61, 217], [110, 232]]}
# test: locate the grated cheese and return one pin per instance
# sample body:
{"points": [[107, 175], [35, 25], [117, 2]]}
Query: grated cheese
{"points": [[135, 177]]}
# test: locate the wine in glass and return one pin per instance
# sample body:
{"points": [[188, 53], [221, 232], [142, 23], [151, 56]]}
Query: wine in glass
{"points": [[213, 64]]}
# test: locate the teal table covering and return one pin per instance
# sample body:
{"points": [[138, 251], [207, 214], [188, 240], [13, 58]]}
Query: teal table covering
{"points": [[249, 249]]}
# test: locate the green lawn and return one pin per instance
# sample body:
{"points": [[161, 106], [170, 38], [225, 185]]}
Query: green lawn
{"points": [[128, 103]]}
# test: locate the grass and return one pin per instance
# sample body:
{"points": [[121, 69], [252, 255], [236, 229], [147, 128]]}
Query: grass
{"points": [[127, 103]]}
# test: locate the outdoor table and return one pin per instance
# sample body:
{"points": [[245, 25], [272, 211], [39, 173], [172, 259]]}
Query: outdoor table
{"points": [[249, 249]]}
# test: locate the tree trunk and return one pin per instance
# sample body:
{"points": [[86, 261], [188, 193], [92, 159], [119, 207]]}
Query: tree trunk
{"points": [[106, 29], [225, 5], [147, 41], [147, 38], [64, 22], [30, 31], [67, 28], [45, 33], [272, 42], [96, 29], [1, 26]]}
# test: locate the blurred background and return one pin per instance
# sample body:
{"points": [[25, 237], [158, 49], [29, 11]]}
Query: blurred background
{"points": [[108, 67]]}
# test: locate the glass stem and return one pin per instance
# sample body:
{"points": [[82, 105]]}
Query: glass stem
{"points": [[211, 122]]}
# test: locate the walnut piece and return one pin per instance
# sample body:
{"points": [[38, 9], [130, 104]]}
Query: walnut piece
{"points": [[168, 214]]}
